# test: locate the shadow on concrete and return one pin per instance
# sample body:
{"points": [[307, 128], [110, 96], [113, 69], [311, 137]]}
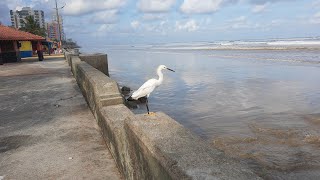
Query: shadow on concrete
{"points": [[13, 142]]}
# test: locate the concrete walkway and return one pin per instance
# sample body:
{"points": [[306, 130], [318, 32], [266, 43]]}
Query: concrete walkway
{"points": [[46, 128]]}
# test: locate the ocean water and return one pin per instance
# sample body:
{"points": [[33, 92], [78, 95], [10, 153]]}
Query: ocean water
{"points": [[260, 106]]}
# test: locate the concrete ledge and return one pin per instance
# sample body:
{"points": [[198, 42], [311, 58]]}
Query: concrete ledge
{"points": [[111, 121], [164, 149], [74, 61], [68, 56], [98, 61], [98, 89]]}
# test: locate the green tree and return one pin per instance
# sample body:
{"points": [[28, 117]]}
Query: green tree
{"points": [[70, 44], [32, 26]]}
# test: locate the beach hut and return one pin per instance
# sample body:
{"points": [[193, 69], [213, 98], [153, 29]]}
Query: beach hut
{"points": [[11, 40]]}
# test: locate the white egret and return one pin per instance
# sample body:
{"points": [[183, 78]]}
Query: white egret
{"points": [[149, 86]]}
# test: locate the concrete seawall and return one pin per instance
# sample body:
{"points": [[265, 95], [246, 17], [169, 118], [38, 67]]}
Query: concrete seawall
{"points": [[149, 147]]}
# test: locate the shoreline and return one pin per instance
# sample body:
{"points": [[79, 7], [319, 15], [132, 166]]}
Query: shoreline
{"points": [[275, 48], [217, 48]]}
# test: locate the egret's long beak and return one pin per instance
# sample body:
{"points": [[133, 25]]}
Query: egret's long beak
{"points": [[170, 70]]}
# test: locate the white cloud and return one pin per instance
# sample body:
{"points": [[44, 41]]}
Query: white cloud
{"points": [[277, 22], [135, 24], [152, 16], [315, 19], [239, 19], [12, 4], [154, 6], [102, 30], [243, 22], [161, 28], [203, 6], [240, 22], [259, 8], [18, 8], [81, 7], [189, 26], [104, 17], [316, 4], [207, 21], [268, 1]]}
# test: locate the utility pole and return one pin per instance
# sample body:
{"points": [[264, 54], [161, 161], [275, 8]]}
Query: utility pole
{"points": [[58, 20]]}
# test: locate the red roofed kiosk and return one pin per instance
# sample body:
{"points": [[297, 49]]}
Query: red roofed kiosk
{"points": [[9, 43]]}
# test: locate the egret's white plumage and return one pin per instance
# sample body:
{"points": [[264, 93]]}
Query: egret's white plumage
{"points": [[150, 85], [145, 89]]}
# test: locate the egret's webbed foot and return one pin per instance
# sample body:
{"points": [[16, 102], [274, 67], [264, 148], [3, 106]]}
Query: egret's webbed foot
{"points": [[150, 114]]}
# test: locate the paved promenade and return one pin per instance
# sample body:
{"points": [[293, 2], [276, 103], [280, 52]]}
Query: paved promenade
{"points": [[46, 128]]}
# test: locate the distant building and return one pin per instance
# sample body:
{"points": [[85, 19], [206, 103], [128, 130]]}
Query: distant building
{"points": [[53, 28], [18, 17]]}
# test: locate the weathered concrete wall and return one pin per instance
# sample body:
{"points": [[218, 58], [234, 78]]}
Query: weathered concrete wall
{"points": [[111, 120], [150, 147], [99, 90], [163, 149], [68, 56], [98, 61], [73, 63]]}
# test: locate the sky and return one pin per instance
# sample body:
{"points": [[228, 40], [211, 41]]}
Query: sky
{"points": [[94, 22]]}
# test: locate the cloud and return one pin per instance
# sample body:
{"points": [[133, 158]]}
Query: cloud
{"points": [[277, 22], [242, 22], [211, 6], [135, 24], [239, 23], [155, 6], [238, 19], [152, 16], [315, 19], [259, 8], [12, 4], [203, 6], [104, 17], [316, 4], [189, 26], [4, 13], [82, 7], [71, 28], [102, 30], [161, 27], [261, 2]]}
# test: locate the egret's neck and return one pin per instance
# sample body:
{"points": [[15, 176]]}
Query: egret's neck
{"points": [[159, 72]]}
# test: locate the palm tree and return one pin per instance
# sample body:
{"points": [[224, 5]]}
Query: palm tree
{"points": [[32, 26]]}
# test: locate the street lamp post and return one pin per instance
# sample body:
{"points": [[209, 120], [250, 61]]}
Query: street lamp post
{"points": [[58, 20]]}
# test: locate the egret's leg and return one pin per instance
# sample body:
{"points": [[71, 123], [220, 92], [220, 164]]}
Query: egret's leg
{"points": [[147, 105], [149, 113]]}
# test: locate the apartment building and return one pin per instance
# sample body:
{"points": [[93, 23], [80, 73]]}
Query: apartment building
{"points": [[53, 28], [18, 17]]}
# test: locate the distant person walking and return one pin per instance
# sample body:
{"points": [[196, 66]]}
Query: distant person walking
{"points": [[40, 55]]}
